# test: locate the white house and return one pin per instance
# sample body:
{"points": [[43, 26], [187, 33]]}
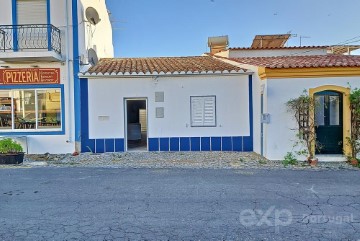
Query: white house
{"points": [[282, 73], [166, 104], [43, 45], [233, 99]]}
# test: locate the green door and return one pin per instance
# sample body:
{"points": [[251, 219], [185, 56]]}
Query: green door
{"points": [[329, 122]]}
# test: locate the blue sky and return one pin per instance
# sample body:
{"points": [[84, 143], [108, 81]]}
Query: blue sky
{"points": [[145, 28]]}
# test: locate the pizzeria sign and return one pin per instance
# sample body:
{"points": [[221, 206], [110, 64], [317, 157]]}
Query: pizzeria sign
{"points": [[29, 76]]}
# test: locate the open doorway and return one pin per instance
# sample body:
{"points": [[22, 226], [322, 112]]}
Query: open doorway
{"points": [[136, 124]]}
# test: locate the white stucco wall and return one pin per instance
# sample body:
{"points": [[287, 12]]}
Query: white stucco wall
{"points": [[257, 82], [106, 98], [6, 14], [58, 19], [98, 37], [280, 134]]}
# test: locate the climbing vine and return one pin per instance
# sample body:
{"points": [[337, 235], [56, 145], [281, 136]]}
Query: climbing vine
{"points": [[302, 109], [354, 140]]}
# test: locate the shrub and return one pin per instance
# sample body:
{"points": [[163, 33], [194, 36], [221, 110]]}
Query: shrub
{"points": [[289, 159], [354, 140], [10, 146]]}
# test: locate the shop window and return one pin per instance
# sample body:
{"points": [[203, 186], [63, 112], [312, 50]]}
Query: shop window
{"points": [[203, 111], [30, 109]]}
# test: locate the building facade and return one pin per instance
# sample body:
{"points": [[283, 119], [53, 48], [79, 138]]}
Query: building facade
{"points": [[57, 97], [43, 46], [327, 77], [231, 100], [166, 104]]}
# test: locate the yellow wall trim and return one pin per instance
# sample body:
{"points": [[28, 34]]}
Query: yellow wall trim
{"points": [[266, 73], [346, 112]]}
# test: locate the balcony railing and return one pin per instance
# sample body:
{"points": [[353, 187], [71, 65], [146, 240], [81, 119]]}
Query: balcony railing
{"points": [[30, 37]]}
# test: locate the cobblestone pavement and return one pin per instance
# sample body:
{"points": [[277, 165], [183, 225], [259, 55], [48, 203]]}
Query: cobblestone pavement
{"points": [[66, 203], [209, 160]]}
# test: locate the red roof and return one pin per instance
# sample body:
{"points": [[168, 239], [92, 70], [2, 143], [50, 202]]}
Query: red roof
{"points": [[311, 61], [198, 64], [285, 47]]}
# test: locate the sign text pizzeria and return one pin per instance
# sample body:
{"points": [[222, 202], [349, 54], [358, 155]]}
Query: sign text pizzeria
{"points": [[29, 76]]}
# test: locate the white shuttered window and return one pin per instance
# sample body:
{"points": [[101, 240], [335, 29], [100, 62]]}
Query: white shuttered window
{"points": [[31, 11], [203, 111]]}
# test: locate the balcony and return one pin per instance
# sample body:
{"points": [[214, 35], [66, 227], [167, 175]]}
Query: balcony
{"points": [[31, 42]]}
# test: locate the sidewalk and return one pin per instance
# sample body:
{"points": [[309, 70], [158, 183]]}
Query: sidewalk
{"points": [[206, 160]]}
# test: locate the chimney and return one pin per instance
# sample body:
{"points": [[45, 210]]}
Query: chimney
{"points": [[218, 44]]}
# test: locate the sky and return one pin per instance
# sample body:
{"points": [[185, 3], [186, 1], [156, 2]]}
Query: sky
{"points": [[151, 28]]}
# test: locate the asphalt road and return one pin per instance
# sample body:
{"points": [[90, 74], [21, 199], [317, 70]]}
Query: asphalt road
{"points": [[155, 204]]}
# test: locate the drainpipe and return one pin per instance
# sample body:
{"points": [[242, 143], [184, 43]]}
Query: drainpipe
{"points": [[262, 123], [77, 99], [262, 126], [68, 89]]}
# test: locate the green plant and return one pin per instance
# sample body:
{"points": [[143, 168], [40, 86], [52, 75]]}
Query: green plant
{"points": [[289, 159], [262, 162], [10, 146], [302, 109], [354, 140]]}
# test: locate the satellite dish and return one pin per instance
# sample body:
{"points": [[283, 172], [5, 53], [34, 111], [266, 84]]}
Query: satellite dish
{"points": [[92, 15], [92, 56]]}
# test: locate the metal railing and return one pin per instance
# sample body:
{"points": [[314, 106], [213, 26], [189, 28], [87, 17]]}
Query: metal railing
{"points": [[2, 40], [30, 37]]}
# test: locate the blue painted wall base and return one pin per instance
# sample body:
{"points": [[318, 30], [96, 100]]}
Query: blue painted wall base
{"points": [[225, 143], [175, 144]]}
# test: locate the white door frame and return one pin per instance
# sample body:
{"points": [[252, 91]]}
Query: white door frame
{"points": [[125, 121]]}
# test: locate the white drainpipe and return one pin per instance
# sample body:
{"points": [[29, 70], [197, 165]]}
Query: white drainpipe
{"points": [[68, 89]]}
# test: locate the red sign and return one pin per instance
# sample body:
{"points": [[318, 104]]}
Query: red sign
{"points": [[29, 76]]}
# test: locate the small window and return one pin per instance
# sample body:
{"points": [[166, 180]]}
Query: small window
{"points": [[334, 108], [203, 111], [319, 110]]}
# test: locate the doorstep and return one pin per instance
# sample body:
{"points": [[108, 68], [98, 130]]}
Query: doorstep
{"points": [[331, 158]]}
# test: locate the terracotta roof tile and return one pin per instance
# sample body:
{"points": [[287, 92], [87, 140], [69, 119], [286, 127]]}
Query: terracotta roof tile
{"points": [[284, 47], [302, 61], [161, 64]]}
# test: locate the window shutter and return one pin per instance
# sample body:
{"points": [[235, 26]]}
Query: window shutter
{"points": [[197, 111], [31, 12], [209, 111], [203, 111]]}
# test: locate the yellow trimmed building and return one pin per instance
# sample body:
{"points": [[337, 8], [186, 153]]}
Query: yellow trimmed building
{"points": [[326, 73]]}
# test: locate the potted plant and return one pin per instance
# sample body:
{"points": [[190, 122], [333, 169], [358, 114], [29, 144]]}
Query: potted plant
{"points": [[11, 152], [302, 109]]}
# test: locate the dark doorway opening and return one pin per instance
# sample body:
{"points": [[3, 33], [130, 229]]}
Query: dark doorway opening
{"points": [[136, 124]]}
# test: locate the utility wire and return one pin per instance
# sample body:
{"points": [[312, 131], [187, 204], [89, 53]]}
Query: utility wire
{"points": [[348, 41]]}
